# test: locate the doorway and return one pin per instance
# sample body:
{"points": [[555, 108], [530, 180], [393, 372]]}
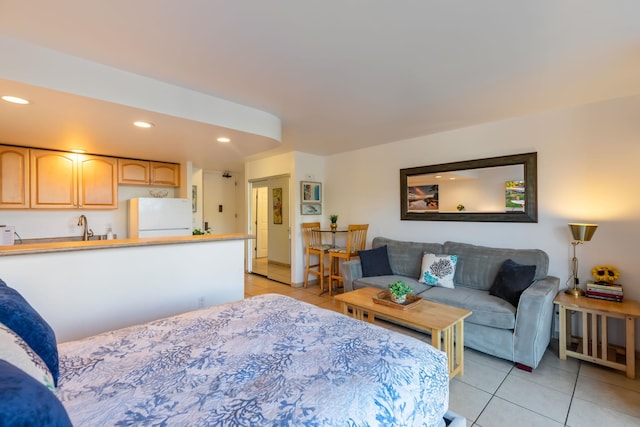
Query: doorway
{"points": [[260, 217], [269, 210]]}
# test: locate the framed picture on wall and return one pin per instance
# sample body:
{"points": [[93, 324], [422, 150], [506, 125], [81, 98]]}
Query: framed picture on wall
{"points": [[277, 205], [422, 198], [310, 192], [514, 195], [194, 198], [310, 209]]}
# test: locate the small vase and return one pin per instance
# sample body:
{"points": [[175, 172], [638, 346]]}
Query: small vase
{"points": [[334, 226], [398, 300]]}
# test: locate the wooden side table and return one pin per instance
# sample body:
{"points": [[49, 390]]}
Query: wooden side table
{"points": [[594, 346]]}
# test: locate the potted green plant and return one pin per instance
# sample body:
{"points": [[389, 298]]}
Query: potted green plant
{"points": [[399, 291], [334, 221]]}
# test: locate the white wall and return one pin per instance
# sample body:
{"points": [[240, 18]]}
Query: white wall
{"points": [[275, 166], [587, 171], [308, 167], [44, 223], [300, 167], [82, 293], [279, 234]]}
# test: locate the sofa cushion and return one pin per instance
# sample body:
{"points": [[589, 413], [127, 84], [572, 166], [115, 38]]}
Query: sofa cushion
{"points": [[512, 280], [405, 258], [375, 262], [478, 266], [438, 270], [487, 309]]}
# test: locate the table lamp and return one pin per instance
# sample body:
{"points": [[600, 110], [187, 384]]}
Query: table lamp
{"points": [[581, 233]]}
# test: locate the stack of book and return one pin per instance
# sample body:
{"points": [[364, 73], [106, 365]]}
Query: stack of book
{"points": [[605, 290]]}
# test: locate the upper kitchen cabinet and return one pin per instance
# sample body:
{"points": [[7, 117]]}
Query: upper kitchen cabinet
{"points": [[97, 182], [165, 174], [14, 177], [61, 180], [134, 172], [142, 172]]}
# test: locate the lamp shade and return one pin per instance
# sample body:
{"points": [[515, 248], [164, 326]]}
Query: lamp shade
{"points": [[582, 232]]}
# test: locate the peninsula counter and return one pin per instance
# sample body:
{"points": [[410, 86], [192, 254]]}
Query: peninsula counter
{"points": [[86, 287]]}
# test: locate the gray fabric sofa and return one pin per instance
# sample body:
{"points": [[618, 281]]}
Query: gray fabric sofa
{"points": [[496, 327]]}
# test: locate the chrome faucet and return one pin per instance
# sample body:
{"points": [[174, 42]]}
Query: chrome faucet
{"points": [[86, 232]]}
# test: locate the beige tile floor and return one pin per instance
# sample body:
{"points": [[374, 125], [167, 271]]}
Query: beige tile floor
{"points": [[493, 393]]}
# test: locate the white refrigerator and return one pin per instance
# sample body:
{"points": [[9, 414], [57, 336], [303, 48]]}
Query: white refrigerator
{"points": [[157, 217]]}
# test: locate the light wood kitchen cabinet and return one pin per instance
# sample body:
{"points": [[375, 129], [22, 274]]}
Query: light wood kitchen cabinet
{"points": [[135, 172], [61, 180], [165, 174], [14, 177], [97, 182], [142, 172]]}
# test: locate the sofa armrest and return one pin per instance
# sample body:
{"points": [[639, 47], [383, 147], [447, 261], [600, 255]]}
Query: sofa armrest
{"points": [[534, 317], [351, 270]]}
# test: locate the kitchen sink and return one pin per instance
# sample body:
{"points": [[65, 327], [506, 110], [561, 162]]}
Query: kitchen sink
{"points": [[66, 239]]}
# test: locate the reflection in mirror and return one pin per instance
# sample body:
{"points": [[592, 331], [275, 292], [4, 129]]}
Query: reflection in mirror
{"points": [[497, 189], [494, 189]]}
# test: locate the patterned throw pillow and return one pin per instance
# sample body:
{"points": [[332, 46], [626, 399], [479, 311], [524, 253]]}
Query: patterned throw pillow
{"points": [[14, 350], [438, 270], [19, 316]]}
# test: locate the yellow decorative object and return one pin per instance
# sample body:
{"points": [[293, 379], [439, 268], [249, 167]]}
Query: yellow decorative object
{"points": [[605, 273]]}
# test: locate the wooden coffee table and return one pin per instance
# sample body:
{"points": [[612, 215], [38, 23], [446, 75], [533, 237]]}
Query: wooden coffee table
{"points": [[445, 323]]}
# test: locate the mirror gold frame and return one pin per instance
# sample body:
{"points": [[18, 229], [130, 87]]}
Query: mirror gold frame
{"points": [[529, 213]]}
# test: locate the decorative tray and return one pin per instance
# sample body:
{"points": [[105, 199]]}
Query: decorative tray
{"points": [[384, 298]]}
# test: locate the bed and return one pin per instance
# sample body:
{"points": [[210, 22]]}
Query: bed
{"points": [[266, 360]]}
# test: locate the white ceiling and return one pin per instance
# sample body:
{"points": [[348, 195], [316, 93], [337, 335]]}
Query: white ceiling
{"points": [[339, 74]]}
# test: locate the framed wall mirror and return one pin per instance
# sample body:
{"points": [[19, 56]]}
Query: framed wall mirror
{"points": [[496, 189]]}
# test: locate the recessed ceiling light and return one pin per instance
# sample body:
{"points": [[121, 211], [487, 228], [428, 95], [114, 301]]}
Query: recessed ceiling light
{"points": [[143, 124], [15, 99], [78, 150], [223, 139]]}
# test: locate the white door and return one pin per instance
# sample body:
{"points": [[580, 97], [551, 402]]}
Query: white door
{"points": [[219, 202]]}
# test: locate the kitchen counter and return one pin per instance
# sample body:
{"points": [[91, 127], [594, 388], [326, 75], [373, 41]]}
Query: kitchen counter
{"points": [[86, 287], [80, 245]]}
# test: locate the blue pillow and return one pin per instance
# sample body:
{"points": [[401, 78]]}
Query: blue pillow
{"points": [[24, 401], [512, 280], [24, 320], [375, 262]]}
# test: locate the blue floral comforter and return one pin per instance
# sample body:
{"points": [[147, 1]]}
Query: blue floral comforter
{"points": [[268, 360]]}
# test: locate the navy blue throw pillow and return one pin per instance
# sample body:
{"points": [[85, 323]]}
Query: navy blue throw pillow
{"points": [[375, 262], [24, 401], [512, 280], [24, 320]]}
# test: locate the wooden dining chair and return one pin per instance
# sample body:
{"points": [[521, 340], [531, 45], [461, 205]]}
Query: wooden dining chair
{"points": [[356, 239], [314, 247]]}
